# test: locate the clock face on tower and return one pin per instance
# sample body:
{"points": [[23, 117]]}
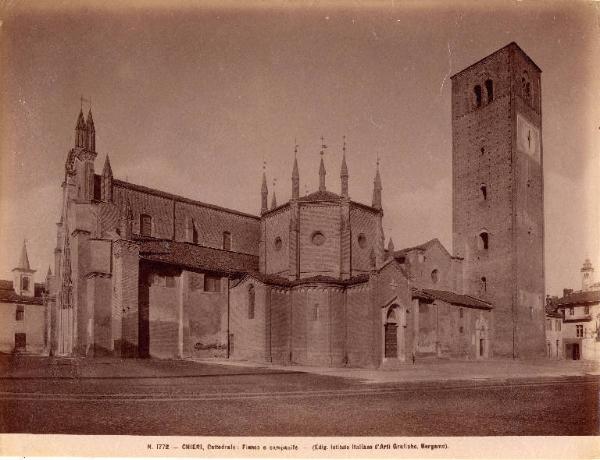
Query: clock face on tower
{"points": [[528, 138]]}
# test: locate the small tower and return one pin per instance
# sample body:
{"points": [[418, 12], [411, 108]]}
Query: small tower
{"points": [[91, 133], [107, 179], [80, 131], [264, 192], [377, 188], [23, 275], [322, 172], [344, 171], [587, 275], [295, 176], [274, 198]]}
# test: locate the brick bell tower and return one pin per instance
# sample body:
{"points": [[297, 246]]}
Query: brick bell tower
{"points": [[498, 207]]}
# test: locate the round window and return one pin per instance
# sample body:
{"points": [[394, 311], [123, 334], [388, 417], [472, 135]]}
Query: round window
{"points": [[435, 276], [362, 240], [318, 238], [278, 243]]}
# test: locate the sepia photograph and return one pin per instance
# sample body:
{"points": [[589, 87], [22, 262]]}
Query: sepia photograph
{"points": [[287, 228]]}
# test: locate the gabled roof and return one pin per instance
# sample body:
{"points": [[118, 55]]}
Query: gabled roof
{"points": [[197, 257], [578, 298], [421, 247], [452, 298]]}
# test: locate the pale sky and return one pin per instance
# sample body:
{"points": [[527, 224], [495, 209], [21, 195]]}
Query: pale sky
{"points": [[190, 100]]}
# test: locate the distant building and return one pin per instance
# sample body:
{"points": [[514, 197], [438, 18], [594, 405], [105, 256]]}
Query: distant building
{"points": [[23, 314], [580, 315], [140, 272]]}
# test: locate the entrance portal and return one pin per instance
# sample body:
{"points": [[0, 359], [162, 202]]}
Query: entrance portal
{"points": [[391, 333]]}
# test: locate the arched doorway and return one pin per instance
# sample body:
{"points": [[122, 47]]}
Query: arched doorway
{"points": [[481, 339], [391, 332]]}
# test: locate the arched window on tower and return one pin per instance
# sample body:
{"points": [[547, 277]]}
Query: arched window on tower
{"points": [[483, 189], [227, 241], [483, 240], [251, 300], [489, 88], [483, 284], [477, 93]]}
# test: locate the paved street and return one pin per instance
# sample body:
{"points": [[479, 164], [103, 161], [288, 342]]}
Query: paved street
{"points": [[186, 398]]}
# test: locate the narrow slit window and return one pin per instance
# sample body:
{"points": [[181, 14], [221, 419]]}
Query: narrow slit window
{"points": [[227, 241], [484, 240], [483, 189], [477, 92], [251, 301], [489, 88], [145, 225]]}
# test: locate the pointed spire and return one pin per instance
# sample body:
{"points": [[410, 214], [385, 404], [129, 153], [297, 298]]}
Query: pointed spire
{"points": [[344, 171], [24, 260], [264, 191], [322, 172], [48, 273], [107, 170], [377, 188], [274, 198], [390, 247], [91, 132], [80, 131], [295, 175]]}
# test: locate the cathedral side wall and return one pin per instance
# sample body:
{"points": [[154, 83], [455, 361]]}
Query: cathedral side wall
{"points": [[170, 217], [205, 319], [422, 269], [280, 325], [248, 334], [362, 222], [159, 208], [359, 331], [212, 223], [277, 226], [323, 259]]}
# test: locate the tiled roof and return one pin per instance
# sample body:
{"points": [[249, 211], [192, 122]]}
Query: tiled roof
{"points": [[192, 256], [321, 195], [6, 285], [580, 297], [170, 196], [452, 298], [285, 282], [421, 247], [8, 295]]}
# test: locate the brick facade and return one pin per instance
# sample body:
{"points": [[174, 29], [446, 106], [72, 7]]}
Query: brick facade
{"points": [[140, 272]]}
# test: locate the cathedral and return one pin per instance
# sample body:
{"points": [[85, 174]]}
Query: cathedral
{"points": [[144, 273]]}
